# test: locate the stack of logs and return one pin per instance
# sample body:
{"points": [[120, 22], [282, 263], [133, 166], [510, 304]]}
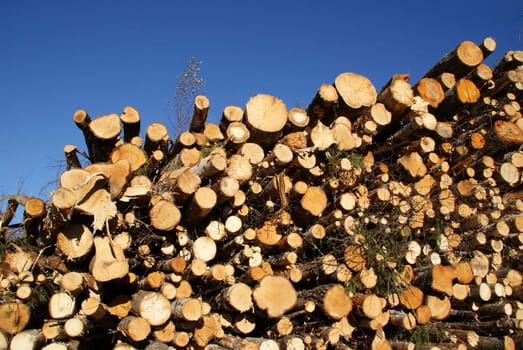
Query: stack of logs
{"points": [[381, 220]]}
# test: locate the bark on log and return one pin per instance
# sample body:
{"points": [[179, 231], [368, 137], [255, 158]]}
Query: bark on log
{"points": [[356, 93], [264, 130]]}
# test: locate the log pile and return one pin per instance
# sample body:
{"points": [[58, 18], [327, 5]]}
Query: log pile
{"points": [[388, 219]]}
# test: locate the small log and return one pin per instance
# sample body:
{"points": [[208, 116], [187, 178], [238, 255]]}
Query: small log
{"points": [[61, 305], [77, 326], [298, 118], [71, 157], [237, 133], [188, 309], [275, 295], [201, 109], [82, 121], [14, 317], [130, 119], [74, 241], [237, 297], [230, 114], [397, 96], [439, 308], [356, 93], [321, 106], [109, 261], [201, 204], [133, 154], [134, 328], [152, 306], [117, 174], [431, 91], [164, 215], [459, 61], [156, 136], [265, 131], [105, 130], [463, 93], [30, 339]]}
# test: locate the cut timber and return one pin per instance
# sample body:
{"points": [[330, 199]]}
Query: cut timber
{"points": [[156, 138], [131, 153], [321, 107], [237, 133], [275, 295], [463, 93], [397, 96], [431, 91], [164, 215], [237, 297], [188, 309], [336, 302], [201, 204], [298, 118], [61, 305], [413, 163], [82, 121], [109, 261], [439, 308], [105, 130], [201, 109], [230, 114], [74, 241], [135, 328], [71, 157], [117, 174], [459, 61], [314, 201], [265, 116], [13, 317], [356, 92], [321, 136], [130, 119], [152, 306]]}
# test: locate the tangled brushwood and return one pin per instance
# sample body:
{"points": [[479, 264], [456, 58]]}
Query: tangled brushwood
{"points": [[369, 220]]}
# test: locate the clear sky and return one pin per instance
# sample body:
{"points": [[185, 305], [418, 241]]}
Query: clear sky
{"points": [[60, 56]]}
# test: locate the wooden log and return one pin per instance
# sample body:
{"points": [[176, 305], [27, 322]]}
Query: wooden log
{"points": [[71, 157], [230, 114], [237, 297], [130, 119], [117, 174], [356, 93], [30, 339], [74, 241], [431, 91], [152, 306], [109, 261], [321, 106], [199, 116], [14, 316], [459, 61], [237, 134], [397, 96], [156, 136], [133, 154], [298, 119], [164, 215], [105, 131], [463, 93], [265, 131], [82, 121], [188, 309], [275, 295], [135, 328]]}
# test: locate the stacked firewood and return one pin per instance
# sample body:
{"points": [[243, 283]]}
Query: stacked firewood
{"points": [[388, 219]]}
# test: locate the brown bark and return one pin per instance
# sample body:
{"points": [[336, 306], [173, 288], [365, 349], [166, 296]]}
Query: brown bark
{"points": [[130, 119], [321, 106], [105, 130], [459, 61], [201, 109]]}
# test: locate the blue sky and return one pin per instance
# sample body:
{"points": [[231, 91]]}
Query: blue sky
{"points": [[59, 56]]}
